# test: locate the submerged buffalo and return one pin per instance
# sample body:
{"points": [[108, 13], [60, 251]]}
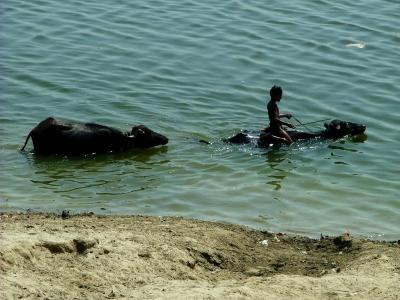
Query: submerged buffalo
{"points": [[54, 136], [333, 130]]}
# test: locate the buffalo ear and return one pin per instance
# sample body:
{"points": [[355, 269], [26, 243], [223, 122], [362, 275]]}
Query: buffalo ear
{"points": [[326, 125]]}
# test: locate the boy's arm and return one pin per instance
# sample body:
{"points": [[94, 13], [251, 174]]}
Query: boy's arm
{"points": [[279, 121], [287, 124], [275, 116], [284, 123], [285, 116]]}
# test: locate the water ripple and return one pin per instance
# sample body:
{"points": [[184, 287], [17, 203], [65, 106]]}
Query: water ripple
{"points": [[201, 70]]}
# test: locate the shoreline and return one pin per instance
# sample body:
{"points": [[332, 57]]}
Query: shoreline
{"points": [[91, 256]]}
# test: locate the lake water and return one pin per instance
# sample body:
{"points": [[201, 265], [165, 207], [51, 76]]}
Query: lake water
{"points": [[201, 70]]}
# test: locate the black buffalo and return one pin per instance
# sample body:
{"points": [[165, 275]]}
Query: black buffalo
{"points": [[333, 130], [54, 136]]}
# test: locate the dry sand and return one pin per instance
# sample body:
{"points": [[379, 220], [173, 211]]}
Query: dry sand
{"points": [[44, 256]]}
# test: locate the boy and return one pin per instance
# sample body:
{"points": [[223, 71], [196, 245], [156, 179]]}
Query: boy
{"points": [[275, 124]]}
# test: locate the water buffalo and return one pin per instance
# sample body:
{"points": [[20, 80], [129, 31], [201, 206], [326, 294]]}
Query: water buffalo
{"points": [[54, 136], [333, 130]]}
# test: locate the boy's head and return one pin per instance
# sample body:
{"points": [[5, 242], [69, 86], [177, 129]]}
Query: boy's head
{"points": [[276, 93]]}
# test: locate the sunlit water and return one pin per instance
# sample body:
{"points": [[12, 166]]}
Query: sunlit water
{"points": [[201, 70]]}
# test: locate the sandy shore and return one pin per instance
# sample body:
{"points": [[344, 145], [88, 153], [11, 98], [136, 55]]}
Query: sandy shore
{"points": [[95, 257]]}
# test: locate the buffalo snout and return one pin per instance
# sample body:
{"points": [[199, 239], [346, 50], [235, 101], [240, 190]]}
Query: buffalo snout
{"points": [[145, 137], [356, 128]]}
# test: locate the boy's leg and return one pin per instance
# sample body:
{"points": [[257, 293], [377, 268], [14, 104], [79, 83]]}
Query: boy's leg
{"points": [[286, 136], [269, 138]]}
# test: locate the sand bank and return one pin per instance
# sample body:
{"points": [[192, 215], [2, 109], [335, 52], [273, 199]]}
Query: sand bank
{"points": [[44, 256]]}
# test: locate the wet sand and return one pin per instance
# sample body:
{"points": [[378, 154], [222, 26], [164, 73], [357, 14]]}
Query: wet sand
{"points": [[45, 256]]}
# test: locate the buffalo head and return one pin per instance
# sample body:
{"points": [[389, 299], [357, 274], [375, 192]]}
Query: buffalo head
{"points": [[240, 138], [144, 137], [338, 129]]}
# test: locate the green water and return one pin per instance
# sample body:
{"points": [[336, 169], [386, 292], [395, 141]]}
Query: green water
{"points": [[201, 70]]}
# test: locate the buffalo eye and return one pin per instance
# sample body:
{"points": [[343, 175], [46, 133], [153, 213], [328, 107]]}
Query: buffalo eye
{"points": [[137, 131]]}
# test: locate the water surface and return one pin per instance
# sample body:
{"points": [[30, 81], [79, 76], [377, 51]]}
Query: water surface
{"points": [[201, 70]]}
